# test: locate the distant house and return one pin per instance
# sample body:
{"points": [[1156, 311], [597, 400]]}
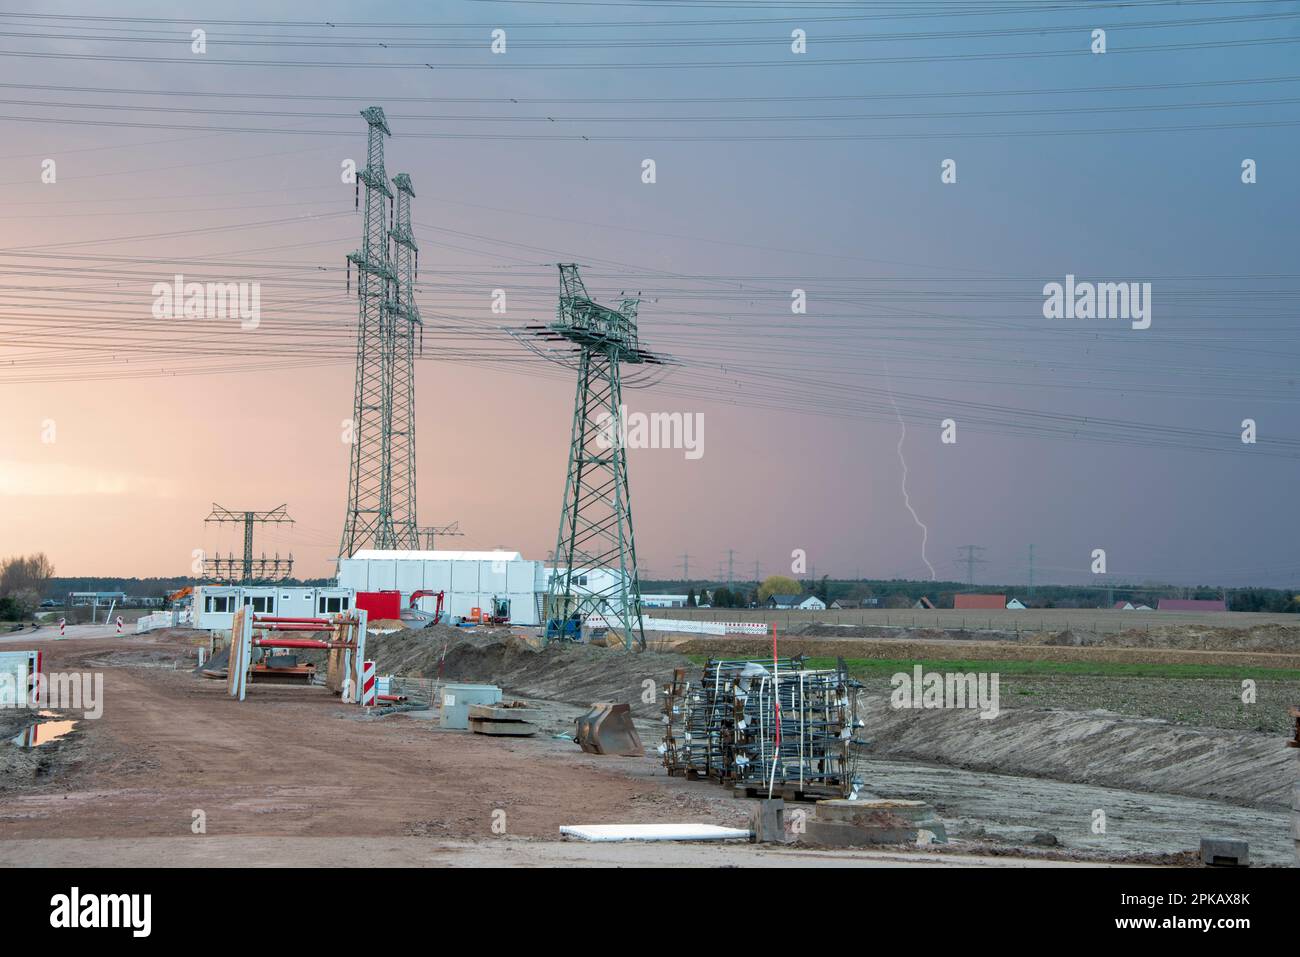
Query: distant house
{"points": [[924, 602], [1124, 606], [980, 602], [1192, 604], [1016, 604], [844, 603], [809, 603]]}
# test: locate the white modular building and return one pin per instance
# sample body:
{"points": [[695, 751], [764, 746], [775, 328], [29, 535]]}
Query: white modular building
{"points": [[215, 605], [590, 581], [664, 601], [468, 579]]}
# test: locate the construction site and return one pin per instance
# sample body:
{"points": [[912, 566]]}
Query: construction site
{"points": [[378, 697]]}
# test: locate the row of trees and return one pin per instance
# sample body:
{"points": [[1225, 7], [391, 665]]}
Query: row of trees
{"points": [[23, 580], [903, 594]]}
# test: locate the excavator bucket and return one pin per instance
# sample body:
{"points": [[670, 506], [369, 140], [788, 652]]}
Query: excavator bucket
{"points": [[607, 729]]}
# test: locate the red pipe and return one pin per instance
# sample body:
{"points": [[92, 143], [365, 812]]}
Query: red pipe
{"points": [[300, 643], [293, 620], [262, 626], [392, 697]]}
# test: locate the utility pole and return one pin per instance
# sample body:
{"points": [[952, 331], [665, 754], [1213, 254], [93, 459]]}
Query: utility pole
{"points": [[971, 560], [757, 580], [1031, 571], [596, 517], [731, 567], [250, 570], [686, 567], [431, 533]]}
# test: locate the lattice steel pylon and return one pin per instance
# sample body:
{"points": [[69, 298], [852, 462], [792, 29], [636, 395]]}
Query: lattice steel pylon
{"points": [[381, 479], [596, 519], [404, 319]]}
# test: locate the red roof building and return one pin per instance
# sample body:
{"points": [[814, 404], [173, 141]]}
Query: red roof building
{"points": [[1192, 604], [980, 602]]}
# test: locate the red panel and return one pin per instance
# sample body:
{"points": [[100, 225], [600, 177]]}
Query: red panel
{"points": [[380, 604], [982, 602]]}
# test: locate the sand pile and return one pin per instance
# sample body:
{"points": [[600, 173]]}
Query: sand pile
{"points": [[574, 674]]}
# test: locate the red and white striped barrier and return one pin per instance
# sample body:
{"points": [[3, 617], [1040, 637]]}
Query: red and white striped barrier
{"points": [[369, 690], [119, 624], [63, 624]]}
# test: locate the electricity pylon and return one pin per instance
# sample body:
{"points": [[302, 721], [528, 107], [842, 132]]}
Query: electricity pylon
{"points": [[249, 571], [403, 320], [596, 519], [431, 533], [381, 479]]}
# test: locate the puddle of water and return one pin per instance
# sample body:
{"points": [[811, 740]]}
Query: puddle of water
{"points": [[43, 732]]}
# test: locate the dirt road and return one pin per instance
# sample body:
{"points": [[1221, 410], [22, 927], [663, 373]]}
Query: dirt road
{"points": [[293, 761]]}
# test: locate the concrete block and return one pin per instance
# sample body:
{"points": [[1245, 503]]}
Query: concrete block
{"points": [[846, 823], [1224, 852], [490, 712], [508, 729], [767, 822]]}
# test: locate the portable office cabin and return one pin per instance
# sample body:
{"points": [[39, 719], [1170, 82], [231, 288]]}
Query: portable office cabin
{"points": [[215, 605], [468, 579]]}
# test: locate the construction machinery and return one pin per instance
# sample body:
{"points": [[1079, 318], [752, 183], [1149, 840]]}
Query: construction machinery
{"points": [[500, 613], [564, 629], [607, 729], [413, 613]]}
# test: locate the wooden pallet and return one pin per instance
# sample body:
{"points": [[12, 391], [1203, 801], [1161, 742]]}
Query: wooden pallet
{"points": [[808, 794]]}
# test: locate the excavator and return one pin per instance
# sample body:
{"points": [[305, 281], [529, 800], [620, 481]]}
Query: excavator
{"points": [[413, 612]]}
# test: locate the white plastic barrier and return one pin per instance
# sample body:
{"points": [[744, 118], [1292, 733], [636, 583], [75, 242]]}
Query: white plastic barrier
{"points": [[164, 619], [670, 624]]}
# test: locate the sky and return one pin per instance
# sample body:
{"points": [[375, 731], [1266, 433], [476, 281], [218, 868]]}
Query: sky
{"points": [[775, 171]]}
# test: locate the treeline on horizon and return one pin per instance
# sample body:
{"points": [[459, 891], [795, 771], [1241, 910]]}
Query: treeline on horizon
{"points": [[901, 593], [893, 593]]}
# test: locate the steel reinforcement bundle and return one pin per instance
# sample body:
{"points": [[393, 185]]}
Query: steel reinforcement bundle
{"points": [[763, 726]]}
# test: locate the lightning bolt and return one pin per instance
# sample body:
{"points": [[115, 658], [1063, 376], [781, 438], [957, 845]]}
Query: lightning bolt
{"points": [[925, 532]]}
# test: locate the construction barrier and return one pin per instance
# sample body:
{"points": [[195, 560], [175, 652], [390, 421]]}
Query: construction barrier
{"points": [[368, 689]]}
